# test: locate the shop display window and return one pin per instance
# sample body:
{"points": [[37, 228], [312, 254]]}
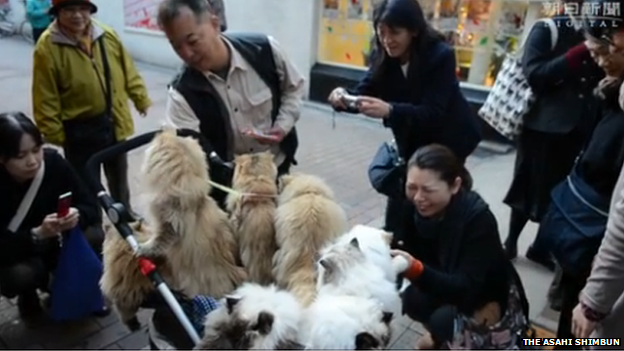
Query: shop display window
{"points": [[482, 32]]}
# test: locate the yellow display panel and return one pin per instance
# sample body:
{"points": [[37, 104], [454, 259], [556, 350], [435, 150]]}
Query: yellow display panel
{"points": [[345, 32]]}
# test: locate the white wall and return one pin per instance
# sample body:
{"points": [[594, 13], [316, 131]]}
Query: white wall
{"points": [[291, 22]]}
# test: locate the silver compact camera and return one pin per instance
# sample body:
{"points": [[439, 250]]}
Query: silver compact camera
{"points": [[350, 101]]}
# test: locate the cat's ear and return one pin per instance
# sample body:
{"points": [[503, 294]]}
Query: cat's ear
{"points": [[387, 236], [387, 317], [327, 264], [231, 302], [283, 181], [365, 341], [355, 243]]}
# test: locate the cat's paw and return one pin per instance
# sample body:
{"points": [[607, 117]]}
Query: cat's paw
{"points": [[400, 264]]}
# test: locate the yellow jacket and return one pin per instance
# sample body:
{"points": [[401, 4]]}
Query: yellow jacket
{"points": [[66, 85]]}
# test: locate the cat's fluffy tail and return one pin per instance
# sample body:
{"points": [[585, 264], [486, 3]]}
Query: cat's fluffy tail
{"points": [[303, 286]]}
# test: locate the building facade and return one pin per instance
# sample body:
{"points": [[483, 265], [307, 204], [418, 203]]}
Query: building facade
{"points": [[329, 40]]}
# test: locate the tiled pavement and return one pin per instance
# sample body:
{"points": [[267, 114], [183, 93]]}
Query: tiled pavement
{"points": [[339, 154]]}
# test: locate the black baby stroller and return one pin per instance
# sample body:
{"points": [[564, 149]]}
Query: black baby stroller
{"points": [[176, 322]]}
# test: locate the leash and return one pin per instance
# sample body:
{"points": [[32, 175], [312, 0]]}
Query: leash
{"points": [[238, 193]]}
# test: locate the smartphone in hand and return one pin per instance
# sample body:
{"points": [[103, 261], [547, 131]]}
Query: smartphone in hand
{"points": [[64, 204]]}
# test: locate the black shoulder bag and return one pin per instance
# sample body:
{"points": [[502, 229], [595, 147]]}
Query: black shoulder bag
{"points": [[94, 132]]}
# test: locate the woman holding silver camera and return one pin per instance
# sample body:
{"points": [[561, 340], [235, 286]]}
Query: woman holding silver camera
{"points": [[412, 87]]}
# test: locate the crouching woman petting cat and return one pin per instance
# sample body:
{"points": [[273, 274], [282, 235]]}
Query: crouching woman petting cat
{"points": [[460, 277]]}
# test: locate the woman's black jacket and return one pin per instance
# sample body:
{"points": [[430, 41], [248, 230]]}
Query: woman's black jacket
{"points": [[59, 178], [464, 261], [428, 106]]}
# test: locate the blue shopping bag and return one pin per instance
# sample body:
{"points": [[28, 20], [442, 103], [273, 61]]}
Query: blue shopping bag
{"points": [[75, 289]]}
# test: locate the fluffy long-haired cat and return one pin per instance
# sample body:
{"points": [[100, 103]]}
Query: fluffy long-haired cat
{"points": [[345, 269], [307, 218], [253, 317], [375, 244], [343, 322], [122, 282], [253, 216], [190, 230]]}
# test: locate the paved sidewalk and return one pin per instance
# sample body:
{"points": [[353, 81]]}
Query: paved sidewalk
{"points": [[339, 154]]}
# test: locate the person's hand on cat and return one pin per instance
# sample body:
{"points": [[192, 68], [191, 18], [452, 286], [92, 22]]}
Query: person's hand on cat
{"points": [[415, 267]]}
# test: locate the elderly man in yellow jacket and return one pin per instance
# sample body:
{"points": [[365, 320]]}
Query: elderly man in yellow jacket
{"points": [[83, 78]]}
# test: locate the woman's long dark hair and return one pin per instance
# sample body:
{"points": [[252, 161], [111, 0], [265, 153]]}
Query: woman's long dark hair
{"points": [[13, 126], [406, 14]]}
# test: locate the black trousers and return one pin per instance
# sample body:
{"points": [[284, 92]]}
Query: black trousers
{"points": [[116, 171], [571, 286], [34, 272], [438, 318]]}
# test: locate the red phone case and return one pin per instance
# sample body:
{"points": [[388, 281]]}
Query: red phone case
{"points": [[64, 203]]}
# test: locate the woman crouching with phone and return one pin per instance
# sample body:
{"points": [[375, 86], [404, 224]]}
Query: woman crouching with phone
{"points": [[35, 185]]}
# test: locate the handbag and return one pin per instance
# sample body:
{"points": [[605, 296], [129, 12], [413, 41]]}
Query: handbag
{"points": [[511, 97], [387, 170], [94, 132], [75, 291], [575, 223], [507, 334]]}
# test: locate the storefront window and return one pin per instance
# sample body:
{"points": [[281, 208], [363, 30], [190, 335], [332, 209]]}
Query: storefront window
{"points": [[481, 31]]}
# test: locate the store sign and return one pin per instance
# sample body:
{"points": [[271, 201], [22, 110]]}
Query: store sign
{"points": [[606, 10]]}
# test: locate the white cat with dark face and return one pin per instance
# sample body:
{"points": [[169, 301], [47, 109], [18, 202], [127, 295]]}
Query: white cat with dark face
{"points": [[345, 323], [254, 317], [356, 298], [375, 243], [366, 270]]}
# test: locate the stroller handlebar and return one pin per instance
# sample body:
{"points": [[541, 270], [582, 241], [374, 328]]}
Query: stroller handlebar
{"points": [[95, 162]]}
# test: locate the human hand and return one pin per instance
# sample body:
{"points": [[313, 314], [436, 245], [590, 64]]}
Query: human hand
{"points": [[394, 253], [335, 98], [49, 227], [373, 107], [143, 112], [274, 135], [70, 221], [581, 326]]}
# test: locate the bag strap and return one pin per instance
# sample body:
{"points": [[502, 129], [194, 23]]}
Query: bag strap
{"points": [[580, 197], [554, 32], [27, 201], [554, 35], [107, 77]]}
